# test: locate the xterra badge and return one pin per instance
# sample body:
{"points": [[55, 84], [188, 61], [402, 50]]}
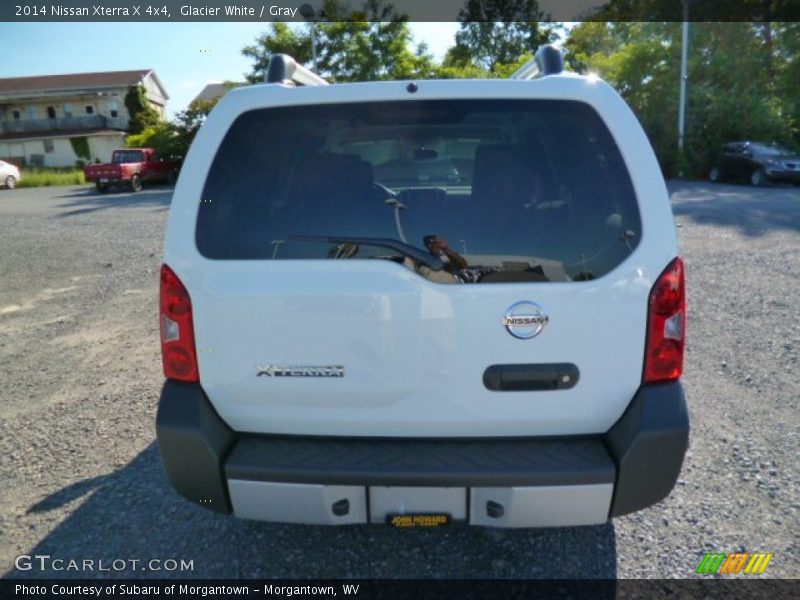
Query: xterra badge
{"points": [[299, 371], [525, 320]]}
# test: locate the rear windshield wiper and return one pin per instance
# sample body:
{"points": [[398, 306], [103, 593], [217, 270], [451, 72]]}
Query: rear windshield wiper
{"points": [[434, 263]]}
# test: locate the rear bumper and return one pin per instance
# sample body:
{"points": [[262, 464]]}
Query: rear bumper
{"points": [[95, 176], [507, 483]]}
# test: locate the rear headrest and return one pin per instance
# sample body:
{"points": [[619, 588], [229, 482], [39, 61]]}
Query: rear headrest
{"points": [[504, 173], [324, 178]]}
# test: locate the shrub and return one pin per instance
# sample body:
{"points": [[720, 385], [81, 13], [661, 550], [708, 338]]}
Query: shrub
{"points": [[80, 146], [49, 177]]}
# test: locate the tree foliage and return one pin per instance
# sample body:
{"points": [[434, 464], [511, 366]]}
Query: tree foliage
{"points": [[80, 146], [742, 82], [279, 39], [373, 43], [162, 137], [173, 138], [142, 114], [498, 32]]}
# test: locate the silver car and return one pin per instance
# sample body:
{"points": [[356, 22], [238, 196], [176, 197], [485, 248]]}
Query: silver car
{"points": [[9, 175]]}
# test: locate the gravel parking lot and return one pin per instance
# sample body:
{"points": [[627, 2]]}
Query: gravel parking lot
{"points": [[80, 376]]}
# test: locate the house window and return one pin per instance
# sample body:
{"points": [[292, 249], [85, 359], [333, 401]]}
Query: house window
{"points": [[89, 109], [114, 109], [51, 112], [15, 114], [48, 146]]}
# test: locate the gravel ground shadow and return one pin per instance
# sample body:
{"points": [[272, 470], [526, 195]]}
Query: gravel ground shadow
{"points": [[752, 211], [133, 513], [87, 200]]}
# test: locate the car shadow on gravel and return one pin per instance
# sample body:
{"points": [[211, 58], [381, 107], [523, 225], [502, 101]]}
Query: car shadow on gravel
{"points": [[133, 513], [87, 201], [753, 211]]}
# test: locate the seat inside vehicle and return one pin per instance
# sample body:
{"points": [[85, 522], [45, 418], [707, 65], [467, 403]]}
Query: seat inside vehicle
{"points": [[503, 198], [331, 194], [425, 213]]}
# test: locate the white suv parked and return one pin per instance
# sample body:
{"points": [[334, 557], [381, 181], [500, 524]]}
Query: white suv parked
{"points": [[422, 302]]}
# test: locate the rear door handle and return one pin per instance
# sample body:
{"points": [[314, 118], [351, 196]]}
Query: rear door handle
{"points": [[531, 377]]}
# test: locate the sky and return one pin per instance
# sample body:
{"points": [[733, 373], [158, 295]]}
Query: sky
{"points": [[185, 56]]}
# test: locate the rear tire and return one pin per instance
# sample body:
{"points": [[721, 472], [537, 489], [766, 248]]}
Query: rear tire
{"points": [[101, 188], [11, 182], [136, 183], [758, 178], [713, 175]]}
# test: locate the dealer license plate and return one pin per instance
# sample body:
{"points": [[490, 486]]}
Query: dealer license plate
{"points": [[418, 520]]}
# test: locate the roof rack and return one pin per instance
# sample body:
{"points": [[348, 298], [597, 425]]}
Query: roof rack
{"points": [[547, 61], [286, 70]]}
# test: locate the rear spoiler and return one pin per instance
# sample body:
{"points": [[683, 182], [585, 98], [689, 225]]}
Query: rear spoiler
{"points": [[547, 61], [286, 70]]}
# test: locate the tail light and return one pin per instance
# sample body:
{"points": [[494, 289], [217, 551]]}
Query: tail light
{"points": [[666, 326], [177, 331]]}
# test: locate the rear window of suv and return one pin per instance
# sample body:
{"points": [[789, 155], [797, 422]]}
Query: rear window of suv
{"points": [[501, 190]]}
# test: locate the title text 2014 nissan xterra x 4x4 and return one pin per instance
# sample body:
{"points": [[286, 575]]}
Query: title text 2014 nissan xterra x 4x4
{"points": [[422, 302]]}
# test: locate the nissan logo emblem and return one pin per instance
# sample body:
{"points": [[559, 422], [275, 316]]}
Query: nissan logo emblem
{"points": [[525, 320]]}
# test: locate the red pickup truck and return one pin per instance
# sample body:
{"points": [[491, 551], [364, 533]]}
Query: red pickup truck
{"points": [[132, 167]]}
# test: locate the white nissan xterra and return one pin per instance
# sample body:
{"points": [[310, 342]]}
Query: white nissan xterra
{"points": [[422, 302]]}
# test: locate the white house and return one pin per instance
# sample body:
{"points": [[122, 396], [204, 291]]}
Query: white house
{"points": [[56, 120]]}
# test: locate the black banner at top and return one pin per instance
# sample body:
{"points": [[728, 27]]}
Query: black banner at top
{"points": [[412, 10]]}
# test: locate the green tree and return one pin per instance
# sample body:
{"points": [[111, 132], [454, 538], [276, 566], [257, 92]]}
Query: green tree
{"points": [[499, 32], [787, 76], [369, 44], [280, 38], [731, 94], [174, 138], [142, 114], [162, 136]]}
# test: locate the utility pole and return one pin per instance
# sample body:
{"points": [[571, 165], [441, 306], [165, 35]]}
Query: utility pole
{"points": [[684, 75], [310, 15]]}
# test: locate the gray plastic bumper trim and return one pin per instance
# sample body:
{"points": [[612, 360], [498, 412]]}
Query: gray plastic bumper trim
{"points": [[489, 463], [648, 444]]}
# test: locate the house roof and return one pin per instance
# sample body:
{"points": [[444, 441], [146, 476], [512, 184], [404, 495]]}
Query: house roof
{"points": [[215, 90], [66, 133], [210, 91], [75, 81]]}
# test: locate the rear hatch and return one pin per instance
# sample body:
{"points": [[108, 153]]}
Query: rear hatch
{"points": [[106, 171], [319, 303]]}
